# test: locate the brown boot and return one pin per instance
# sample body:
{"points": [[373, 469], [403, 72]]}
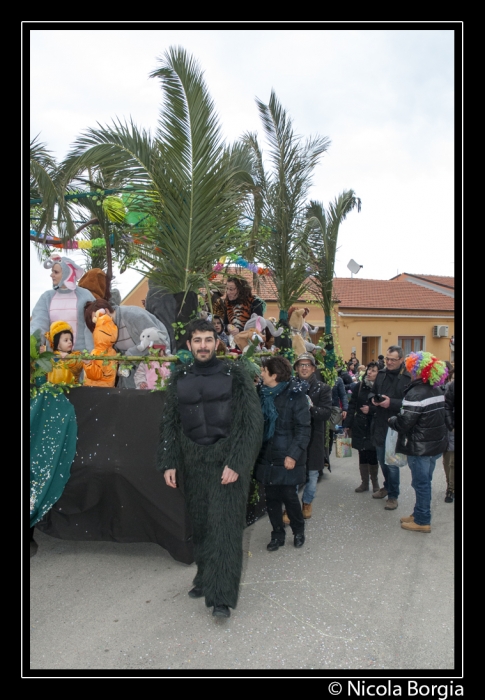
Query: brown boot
{"points": [[408, 519], [364, 475], [307, 510], [374, 471], [382, 493], [286, 519], [414, 527]]}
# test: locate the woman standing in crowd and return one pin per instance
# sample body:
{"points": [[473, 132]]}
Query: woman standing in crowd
{"points": [[358, 420], [281, 464]]}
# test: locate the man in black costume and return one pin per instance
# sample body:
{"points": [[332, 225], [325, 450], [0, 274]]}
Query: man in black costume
{"points": [[210, 435]]}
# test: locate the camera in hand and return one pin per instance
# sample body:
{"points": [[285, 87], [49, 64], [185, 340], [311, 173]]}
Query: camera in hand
{"points": [[378, 398]]}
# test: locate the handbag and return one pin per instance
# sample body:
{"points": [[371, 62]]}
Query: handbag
{"points": [[343, 446], [393, 458], [335, 417]]}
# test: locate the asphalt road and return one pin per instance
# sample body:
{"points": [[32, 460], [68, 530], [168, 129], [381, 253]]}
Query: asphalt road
{"points": [[361, 594]]}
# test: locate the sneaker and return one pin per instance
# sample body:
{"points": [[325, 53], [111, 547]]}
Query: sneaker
{"points": [[382, 493], [221, 611], [449, 496], [407, 519], [391, 504], [286, 519], [307, 510], [415, 527]]}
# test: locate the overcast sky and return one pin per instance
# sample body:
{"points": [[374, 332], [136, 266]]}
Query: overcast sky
{"points": [[384, 97]]}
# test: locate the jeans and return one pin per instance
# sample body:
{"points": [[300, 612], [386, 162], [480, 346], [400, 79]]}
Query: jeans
{"points": [[391, 474], [422, 469], [310, 486]]}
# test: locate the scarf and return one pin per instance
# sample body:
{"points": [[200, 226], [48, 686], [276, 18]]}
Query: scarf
{"points": [[267, 395]]}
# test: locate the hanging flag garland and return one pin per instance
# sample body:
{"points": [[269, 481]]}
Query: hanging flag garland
{"points": [[241, 262], [74, 245]]}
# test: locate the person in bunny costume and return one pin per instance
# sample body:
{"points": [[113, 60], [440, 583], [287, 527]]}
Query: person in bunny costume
{"points": [[64, 302]]}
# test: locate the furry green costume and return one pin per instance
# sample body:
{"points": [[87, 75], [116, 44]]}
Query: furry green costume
{"points": [[217, 511]]}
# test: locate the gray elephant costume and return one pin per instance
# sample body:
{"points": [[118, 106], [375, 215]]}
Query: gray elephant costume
{"points": [[199, 449]]}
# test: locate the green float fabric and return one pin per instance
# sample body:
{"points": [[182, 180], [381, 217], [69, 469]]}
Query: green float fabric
{"points": [[53, 435]]}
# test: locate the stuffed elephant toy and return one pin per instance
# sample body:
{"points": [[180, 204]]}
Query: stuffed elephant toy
{"points": [[150, 337]]}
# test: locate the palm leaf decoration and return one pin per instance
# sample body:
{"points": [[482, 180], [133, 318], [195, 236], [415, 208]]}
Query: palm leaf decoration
{"points": [[195, 186], [49, 211], [323, 229], [282, 191]]}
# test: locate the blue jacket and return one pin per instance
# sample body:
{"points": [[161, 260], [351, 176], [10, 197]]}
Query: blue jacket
{"points": [[339, 395]]}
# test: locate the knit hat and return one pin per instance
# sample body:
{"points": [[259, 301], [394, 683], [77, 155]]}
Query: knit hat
{"points": [[427, 367], [305, 356], [56, 327], [95, 281], [70, 270]]}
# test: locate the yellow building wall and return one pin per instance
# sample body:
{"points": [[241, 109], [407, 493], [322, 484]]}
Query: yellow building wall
{"points": [[351, 330]]}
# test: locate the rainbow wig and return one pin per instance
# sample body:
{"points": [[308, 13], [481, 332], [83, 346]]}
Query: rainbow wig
{"points": [[425, 366]]}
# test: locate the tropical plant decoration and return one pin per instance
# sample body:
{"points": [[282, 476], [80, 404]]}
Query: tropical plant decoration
{"points": [[280, 199], [323, 229], [197, 185], [50, 212]]}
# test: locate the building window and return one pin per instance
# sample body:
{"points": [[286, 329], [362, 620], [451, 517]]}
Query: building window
{"points": [[410, 343]]}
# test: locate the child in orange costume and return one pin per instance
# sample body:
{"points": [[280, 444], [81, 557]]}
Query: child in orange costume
{"points": [[105, 335], [60, 337]]}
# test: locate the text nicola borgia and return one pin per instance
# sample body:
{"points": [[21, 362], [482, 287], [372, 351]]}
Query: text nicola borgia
{"points": [[414, 689]]}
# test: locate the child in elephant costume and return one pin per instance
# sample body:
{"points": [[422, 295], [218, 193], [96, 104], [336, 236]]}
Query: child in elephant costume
{"points": [[210, 436]]}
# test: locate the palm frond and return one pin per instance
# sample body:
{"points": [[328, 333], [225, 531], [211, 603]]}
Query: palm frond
{"points": [[282, 191], [323, 229], [53, 213]]}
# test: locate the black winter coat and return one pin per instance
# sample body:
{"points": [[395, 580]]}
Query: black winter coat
{"points": [[450, 406], [392, 385], [321, 396], [421, 423], [358, 421], [290, 439]]}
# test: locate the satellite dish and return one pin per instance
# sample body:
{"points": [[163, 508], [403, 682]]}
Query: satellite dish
{"points": [[354, 267]]}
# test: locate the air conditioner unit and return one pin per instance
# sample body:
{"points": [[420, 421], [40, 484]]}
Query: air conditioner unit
{"points": [[440, 331]]}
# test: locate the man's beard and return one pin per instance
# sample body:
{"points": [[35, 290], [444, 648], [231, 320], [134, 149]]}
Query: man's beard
{"points": [[208, 355]]}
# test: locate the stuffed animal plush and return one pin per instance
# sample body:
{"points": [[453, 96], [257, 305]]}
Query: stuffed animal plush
{"points": [[253, 329], [150, 337], [296, 321]]}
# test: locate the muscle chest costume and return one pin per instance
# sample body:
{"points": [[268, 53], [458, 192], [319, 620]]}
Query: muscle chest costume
{"points": [[212, 419]]}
